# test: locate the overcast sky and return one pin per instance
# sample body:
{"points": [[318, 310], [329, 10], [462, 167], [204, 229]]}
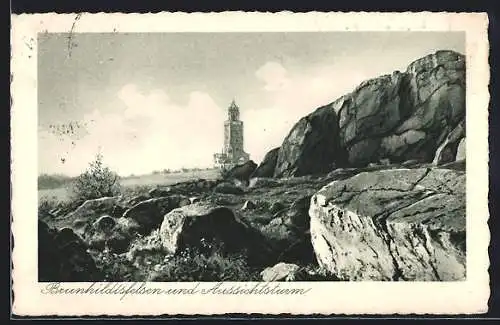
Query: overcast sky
{"points": [[155, 101]]}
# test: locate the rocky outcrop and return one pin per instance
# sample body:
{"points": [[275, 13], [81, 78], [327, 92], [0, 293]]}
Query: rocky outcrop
{"points": [[188, 226], [390, 119], [311, 146], [406, 115], [63, 257], [268, 164], [149, 214], [399, 224]]}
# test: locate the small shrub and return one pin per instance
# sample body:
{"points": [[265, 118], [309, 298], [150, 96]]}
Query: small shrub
{"points": [[96, 182]]}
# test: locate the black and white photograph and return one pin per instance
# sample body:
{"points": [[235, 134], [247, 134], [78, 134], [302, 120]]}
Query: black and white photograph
{"points": [[252, 156], [272, 157]]}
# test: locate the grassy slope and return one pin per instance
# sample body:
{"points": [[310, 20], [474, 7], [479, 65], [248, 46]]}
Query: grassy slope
{"points": [[62, 193]]}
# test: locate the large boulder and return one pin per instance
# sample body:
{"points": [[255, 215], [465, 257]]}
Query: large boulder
{"points": [[63, 257], [268, 164], [105, 224], [90, 210], [149, 214], [406, 115], [311, 147], [399, 224], [288, 232], [297, 214], [106, 233], [241, 172], [280, 272], [189, 226], [228, 188]]}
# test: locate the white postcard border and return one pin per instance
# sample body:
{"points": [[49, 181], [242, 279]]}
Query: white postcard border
{"points": [[462, 297]]}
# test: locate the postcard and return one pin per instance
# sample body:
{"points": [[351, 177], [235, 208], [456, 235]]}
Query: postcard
{"points": [[268, 163]]}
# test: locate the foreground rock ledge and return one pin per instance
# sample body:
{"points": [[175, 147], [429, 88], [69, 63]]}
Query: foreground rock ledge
{"points": [[400, 224]]}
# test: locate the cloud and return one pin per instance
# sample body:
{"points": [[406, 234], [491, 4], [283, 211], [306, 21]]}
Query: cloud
{"points": [[142, 105], [311, 87], [274, 76], [150, 133]]}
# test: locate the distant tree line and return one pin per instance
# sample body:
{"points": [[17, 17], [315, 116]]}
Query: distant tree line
{"points": [[181, 170], [46, 181]]}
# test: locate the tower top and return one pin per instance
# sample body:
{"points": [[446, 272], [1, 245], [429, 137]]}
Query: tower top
{"points": [[233, 104], [233, 111]]}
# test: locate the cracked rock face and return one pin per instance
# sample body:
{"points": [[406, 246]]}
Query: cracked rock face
{"points": [[398, 224], [311, 146], [417, 114], [406, 115], [268, 164]]}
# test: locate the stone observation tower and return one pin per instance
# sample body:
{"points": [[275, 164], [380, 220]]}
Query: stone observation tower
{"points": [[232, 153]]}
